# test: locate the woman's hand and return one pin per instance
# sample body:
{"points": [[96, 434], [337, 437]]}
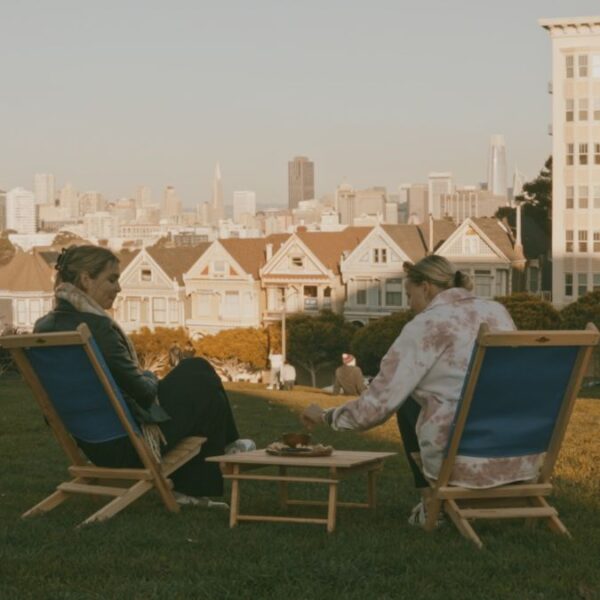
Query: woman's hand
{"points": [[312, 416]]}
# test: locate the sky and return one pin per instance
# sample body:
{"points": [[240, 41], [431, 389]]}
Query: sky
{"points": [[115, 94]]}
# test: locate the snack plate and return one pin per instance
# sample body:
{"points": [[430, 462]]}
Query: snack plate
{"points": [[279, 449]]}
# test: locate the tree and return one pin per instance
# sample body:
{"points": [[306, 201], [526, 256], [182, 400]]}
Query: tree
{"points": [[581, 312], [68, 238], [315, 342], [234, 350], [7, 251], [152, 347], [370, 343], [531, 312]]}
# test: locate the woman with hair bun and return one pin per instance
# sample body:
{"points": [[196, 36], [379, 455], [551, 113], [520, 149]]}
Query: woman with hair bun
{"points": [[189, 401], [421, 379]]}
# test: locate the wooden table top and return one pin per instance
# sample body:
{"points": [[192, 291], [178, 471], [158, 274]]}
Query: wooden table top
{"points": [[338, 458]]}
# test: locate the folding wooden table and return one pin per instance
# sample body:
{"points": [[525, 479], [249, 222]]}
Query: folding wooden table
{"points": [[339, 465]]}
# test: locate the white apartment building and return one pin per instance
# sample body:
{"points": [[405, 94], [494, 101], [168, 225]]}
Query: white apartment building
{"points": [[576, 156], [43, 187], [244, 203], [438, 185], [21, 211]]}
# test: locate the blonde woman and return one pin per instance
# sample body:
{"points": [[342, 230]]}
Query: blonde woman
{"points": [[191, 398], [421, 378]]}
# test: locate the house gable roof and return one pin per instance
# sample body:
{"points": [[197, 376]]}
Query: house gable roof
{"points": [[27, 272], [408, 238], [177, 261]]}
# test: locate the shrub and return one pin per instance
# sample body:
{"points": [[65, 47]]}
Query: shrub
{"points": [[584, 310], [152, 347], [370, 343], [531, 312]]}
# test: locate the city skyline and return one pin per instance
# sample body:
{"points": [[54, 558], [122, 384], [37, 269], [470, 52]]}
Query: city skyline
{"points": [[109, 107]]}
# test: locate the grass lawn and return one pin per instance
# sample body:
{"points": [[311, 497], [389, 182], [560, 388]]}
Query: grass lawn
{"points": [[145, 552]]}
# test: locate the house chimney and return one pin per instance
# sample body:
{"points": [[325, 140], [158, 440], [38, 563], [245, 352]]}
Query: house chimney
{"points": [[430, 249], [269, 251]]}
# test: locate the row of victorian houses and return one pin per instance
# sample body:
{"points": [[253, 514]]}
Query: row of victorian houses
{"points": [[249, 282]]}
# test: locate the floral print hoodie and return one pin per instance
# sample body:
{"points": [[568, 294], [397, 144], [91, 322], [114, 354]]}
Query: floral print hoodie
{"points": [[429, 361]]}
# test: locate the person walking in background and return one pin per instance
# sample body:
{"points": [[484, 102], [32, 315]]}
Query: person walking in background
{"points": [[175, 354], [276, 362], [288, 376], [188, 350], [349, 378]]}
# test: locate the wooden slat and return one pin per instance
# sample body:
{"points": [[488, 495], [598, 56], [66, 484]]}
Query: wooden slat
{"points": [[509, 491], [326, 503], [271, 519], [539, 338], [108, 473], [94, 490], [507, 513], [33, 340], [287, 478]]}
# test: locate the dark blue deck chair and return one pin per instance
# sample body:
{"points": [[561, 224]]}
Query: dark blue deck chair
{"points": [[79, 398], [516, 401]]}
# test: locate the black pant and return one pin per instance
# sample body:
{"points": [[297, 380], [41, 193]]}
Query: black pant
{"points": [[407, 416], [194, 397]]}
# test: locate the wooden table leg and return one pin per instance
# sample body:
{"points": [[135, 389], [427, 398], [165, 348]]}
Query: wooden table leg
{"points": [[371, 488], [283, 488], [235, 498], [332, 504]]}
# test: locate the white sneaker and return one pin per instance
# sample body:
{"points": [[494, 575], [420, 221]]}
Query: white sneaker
{"points": [[418, 516], [185, 500], [240, 446]]}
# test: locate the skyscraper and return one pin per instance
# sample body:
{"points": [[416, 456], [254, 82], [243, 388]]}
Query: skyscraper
{"points": [[497, 166], [301, 181], [576, 156], [217, 207], [43, 187], [21, 211], [438, 185], [171, 203], [244, 203]]}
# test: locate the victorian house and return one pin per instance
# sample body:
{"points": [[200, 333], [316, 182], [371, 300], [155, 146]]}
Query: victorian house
{"points": [[304, 274], [223, 285], [26, 291], [152, 287]]}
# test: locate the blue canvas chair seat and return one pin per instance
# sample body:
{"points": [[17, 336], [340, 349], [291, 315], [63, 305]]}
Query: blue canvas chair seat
{"points": [[516, 401], [80, 399]]}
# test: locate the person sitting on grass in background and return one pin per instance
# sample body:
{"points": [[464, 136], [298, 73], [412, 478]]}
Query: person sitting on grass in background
{"points": [[288, 376], [174, 354], [189, 401], [421, 379], [349, 378]]}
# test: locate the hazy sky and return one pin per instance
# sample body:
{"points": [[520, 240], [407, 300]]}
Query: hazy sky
{"points": [[113, 94]]}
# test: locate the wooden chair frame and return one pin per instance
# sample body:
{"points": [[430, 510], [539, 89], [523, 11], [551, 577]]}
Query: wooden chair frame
{"points": [[516, 500], [123, 485]]}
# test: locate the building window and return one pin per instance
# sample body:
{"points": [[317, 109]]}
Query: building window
{"points": [[583, 154], [582, 62], [296, 262], [568, 284], [596, 282], [569, 240], [583, 109], [596, 196], [219, 268], [569, 201], [393, 292], [570, 154], [483, 283], [231, 303], [583, 196], [310, 297], [596, 241], [534, 279], [173, 311], [597, 109], [159, 310], [146, 275], [570, 109], [361, 293], [21, 312], [133, 309], [582, 280], [327, 298], [203, 304], [35, 310], [582, 238], [570, 66], [596, 66], [380, 255]]}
